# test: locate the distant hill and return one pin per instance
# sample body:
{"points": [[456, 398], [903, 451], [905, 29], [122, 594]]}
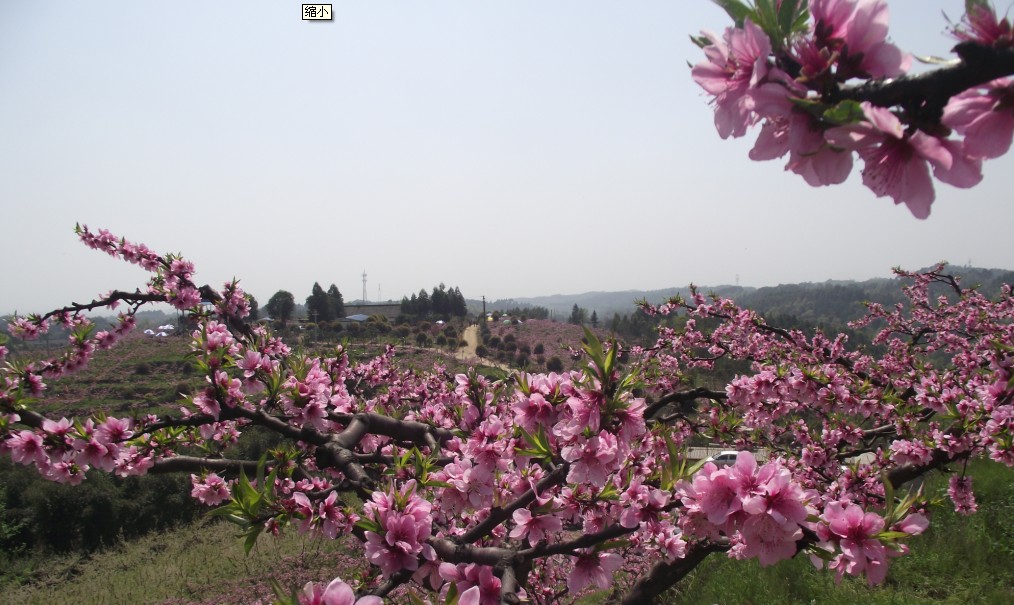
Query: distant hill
{"points": [[833, 302]]}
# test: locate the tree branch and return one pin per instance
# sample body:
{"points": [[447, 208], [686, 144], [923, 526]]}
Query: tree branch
{"points": [[665, 575], [925, 95]]}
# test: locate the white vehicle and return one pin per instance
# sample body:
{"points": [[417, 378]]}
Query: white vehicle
{"points": [[723, 458]]}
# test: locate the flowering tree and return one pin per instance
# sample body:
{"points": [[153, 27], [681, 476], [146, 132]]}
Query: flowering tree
{"points": [[825, 85], [545, 486]]}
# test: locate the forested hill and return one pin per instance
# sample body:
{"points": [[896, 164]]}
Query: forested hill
{"points": [[825, 303]]}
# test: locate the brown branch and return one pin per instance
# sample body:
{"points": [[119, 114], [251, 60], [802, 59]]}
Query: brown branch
{"points": [[453, 552], [665, 575], [135, 298], [585, 541], [682, 398], [500, 514], [183, 464], [925, 95]]}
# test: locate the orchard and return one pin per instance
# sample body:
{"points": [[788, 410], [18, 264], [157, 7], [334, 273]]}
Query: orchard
{"points": [[542, 488]]}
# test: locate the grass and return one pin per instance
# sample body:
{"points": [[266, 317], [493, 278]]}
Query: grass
{"points": [[201, 563], [141, 375]]}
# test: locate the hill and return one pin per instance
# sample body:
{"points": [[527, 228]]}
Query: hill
{"points": [[834, 302]]}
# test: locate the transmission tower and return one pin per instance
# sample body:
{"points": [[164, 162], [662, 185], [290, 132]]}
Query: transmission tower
{"points": [[364, 285]]}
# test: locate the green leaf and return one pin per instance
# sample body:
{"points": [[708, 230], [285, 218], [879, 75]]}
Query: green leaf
{"points": [[593, 347], [284, 598], [369, 525], [432, 483], [612, 544], [788, 15], [820, 553], [891, 535], [452, 594], [700, 42], [696, 467], [736, 10], [971, 5], [251, 537], [845, 112]]}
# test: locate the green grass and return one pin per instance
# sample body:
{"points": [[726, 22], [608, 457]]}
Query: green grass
{"points": [[201, 563]]}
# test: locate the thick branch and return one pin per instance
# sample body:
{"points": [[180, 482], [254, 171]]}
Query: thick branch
{"points": [[665, 575], [190, 464], [925, 95], [402, 430], [499, 515], [681, 398], [453, 552]]}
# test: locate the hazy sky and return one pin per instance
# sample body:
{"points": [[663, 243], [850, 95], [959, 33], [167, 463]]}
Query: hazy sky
{"points": [[511, 148]]}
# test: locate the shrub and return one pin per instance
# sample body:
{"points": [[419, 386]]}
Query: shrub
{"points": [[554, 364], [539, 349]]}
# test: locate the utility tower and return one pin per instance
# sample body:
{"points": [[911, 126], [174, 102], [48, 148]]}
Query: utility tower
{"points": [[364, 285]]}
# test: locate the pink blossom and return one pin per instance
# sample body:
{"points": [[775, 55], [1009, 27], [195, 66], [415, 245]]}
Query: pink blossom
{"points": [[856, 533], [857, 31], [641, 503], [769, 539], [406, 525], [210, 490], [336, 593], [985, 116], [478, 582], [912, 525], [959, 489], [597, 567], [777, 496], [26, 448], [531, 412], [332, 519], [896, 163], [980, 25], [733, 68], [714, 493], [810, 155], [592, 460], [535, 528]]}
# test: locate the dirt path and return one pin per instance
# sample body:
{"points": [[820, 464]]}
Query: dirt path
{"points": [[471, 336]]}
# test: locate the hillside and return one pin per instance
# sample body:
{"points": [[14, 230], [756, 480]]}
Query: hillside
{"points": [[833, 302]]}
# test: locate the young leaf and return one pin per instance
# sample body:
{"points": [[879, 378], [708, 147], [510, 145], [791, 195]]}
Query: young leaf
{"points": [[736, 10], [788, 15], [845, 112]]}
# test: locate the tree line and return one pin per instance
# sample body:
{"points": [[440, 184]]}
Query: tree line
{"points": [[442, 302]]}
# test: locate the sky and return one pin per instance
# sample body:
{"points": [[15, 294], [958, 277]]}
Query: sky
{"points": [[511, 149]]}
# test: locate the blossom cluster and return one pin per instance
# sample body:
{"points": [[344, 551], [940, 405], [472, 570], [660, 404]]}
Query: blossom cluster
{"points": [[794, 81]]}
